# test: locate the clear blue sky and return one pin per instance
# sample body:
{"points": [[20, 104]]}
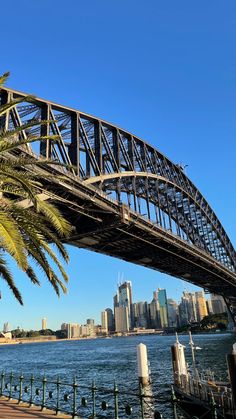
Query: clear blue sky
{"points": [[164, 70]]}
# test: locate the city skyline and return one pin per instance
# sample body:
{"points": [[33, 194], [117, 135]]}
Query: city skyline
{"points": [[178, 94], [127, 315]]}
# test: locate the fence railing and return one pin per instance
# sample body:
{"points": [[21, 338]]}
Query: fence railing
{"points": [[78, 400]]}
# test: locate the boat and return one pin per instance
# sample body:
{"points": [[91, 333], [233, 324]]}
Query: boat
{"points": [[197, 392]]}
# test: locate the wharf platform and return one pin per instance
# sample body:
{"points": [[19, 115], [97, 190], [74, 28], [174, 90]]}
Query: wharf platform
{"points": [[12, 409]]}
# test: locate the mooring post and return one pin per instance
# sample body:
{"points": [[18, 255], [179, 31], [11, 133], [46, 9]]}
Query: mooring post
{"points": [[143, 370], [179, 364], [231, 362]]}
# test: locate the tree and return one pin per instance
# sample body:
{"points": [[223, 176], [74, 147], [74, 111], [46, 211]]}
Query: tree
{"points": [[26, 230]]}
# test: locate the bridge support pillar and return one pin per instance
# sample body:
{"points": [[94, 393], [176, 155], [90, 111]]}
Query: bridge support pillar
{"points": [[231, 306]]}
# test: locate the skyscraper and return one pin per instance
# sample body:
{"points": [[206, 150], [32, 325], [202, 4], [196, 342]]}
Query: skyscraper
{"points": [[110, 320], [44, 323], [123, 298], [218, 304], [122, 319], [172, 312], [162, 299], [201, 305], [104, 322], [154, 312]]}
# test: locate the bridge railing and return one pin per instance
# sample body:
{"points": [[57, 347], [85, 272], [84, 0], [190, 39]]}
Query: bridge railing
{"points": [[77, 400]]}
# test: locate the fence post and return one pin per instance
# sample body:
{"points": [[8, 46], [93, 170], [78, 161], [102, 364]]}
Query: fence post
{"points": [[20, 390], [116, 401], [141, 395], [75, 386], [2, 382], [94, 388], [213, 407], [31, 389], [58, 396], [11, 381], [44, 382]]}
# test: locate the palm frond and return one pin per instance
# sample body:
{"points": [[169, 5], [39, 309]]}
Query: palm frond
{"points": [[11, 239], [6, 275]]}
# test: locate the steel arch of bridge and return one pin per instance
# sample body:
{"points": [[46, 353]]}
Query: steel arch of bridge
{"points": [[127, 169]]}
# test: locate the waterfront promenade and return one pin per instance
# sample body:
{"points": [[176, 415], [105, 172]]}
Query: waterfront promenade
{"points": [[12, 409]]}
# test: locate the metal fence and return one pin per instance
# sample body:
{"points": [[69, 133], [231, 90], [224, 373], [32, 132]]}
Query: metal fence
{"points": [[79, 400]]}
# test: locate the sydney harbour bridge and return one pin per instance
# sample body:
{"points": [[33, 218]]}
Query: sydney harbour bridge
{"points": [[125, 198]]}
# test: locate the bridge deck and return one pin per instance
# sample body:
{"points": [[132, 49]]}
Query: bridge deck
{"points": [[11, 409]]}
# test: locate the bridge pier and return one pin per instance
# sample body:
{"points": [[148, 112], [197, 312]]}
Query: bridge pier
{"points": [[231, 306]]}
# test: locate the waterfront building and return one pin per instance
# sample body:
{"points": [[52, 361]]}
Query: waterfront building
{"points": [[72, 329], [162, 299], [90, 322], [172, 312], [188, 309], [44, 323], [209, 306], [201, 305], [6, 327], [64, 326], [218, 304], [125, 299], [104, 322], [142, 315], [154, 312], [122, 319], [110, 320], [84, 331]]}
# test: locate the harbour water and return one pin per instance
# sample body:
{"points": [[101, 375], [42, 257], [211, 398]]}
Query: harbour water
{"points": [[106, 360]]}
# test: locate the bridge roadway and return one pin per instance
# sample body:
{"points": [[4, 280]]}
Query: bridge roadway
{"points": [[123, 197]]}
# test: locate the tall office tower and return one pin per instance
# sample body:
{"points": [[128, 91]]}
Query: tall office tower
{"points": [[121, 319], [125, 299], [44, 323], [191, 302], [201, 305], [162, 299], [183, 312], [110, 320], [218, 304], [154, 313], [141, 312], [104, 322], [209, 306], [172, 312], [187, 309], [6, 327]]}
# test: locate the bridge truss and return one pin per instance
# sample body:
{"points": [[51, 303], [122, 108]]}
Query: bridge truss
{"points": [[134, 202]]}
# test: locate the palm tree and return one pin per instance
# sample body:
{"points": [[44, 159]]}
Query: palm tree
{"points": [[27, 223]]}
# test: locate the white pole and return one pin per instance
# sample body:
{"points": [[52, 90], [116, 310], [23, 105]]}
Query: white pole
{"points": [[143, 370]]}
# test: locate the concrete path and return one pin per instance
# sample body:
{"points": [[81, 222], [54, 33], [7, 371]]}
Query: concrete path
{"points": [[11, 409]]}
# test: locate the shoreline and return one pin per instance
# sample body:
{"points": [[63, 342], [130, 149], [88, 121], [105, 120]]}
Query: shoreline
{"points": [[23, 341]]}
